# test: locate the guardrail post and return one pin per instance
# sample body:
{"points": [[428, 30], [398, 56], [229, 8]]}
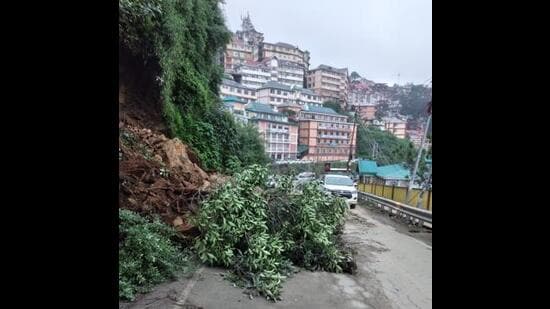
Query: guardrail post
{"points": [[392, 191], [429, 197]]}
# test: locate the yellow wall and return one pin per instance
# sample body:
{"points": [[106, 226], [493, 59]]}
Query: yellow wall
{"points": [[399, 194]]}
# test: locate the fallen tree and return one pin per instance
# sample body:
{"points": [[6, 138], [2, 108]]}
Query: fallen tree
{"points": [[259, 233]]}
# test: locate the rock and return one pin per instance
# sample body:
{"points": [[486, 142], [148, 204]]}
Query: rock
{"points": [[205, 186], [178, 221]]}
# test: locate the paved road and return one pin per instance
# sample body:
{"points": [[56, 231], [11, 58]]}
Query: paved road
{"points": [[394, 271]]}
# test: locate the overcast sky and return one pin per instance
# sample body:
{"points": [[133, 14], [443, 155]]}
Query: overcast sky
{"points": [[377, 38]]}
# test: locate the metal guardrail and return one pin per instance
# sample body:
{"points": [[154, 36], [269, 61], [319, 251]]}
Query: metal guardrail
{"points": [[422, 215]]}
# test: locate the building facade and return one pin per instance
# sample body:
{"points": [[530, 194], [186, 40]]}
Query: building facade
{"points": [[279, 134], [230, 88], [255, 74], [327, 135], [288, 72], [395, 126], [236, 107], [244, 46], [285, 52], [275, 93], [366, 112], [237, 52], [330, 83]]}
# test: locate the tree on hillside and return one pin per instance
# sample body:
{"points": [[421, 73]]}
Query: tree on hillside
{"points": [[354, 75], [335, 106], [390, 149], [185, 37], [413, 101]]}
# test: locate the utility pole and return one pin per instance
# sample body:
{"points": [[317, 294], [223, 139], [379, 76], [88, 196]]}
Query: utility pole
{"points": [[351, 142], [418, 159]]}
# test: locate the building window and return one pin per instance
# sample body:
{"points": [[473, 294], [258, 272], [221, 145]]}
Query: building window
{"points": [[278, 99], [272, 99], [238, 90], [271, 91], [278, 91], [231, 89]]}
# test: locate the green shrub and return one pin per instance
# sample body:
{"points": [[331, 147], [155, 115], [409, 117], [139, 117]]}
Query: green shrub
{"points": [[258, 232], [148, 254], [186, 37]]}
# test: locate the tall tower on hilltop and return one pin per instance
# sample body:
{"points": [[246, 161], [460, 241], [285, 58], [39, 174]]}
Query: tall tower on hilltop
{"points": [[250, 36]]}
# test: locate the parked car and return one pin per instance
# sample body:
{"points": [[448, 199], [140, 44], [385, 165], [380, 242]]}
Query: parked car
{"points": [[341, 185], [305, 177]]}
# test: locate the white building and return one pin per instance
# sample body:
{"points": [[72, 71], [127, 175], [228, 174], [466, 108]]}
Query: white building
{"points": [[276, 93], [255, 74], [289, 73], [230, 88]]}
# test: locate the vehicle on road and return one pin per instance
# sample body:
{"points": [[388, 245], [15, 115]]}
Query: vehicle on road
{"points": [[305, 177], [341, 185]]}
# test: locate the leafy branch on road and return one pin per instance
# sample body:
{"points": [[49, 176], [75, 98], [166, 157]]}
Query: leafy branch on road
{"points": [[259, 233]]}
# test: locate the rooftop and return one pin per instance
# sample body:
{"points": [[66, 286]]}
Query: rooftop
{"points": [[331, 69], [320, 110], [261, 108], [276, 85], [308, 91], [393, 120], [393, 171], [367, 167], [231, 99], [282, 44], [232, 83]]}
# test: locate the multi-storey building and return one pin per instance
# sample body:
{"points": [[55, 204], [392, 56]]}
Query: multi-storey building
{"points": [[276, 94], [256, 73], [279, 134], [236, 107], [415, 136], [395, 126], [285, 52], [244, 46], [327, 135], [289, 72], [237, 52], [330, 83], [367, 112], [230, 88]]}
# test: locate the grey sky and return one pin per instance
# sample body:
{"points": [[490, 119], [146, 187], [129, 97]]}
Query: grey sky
{"points": [[376, 38]]}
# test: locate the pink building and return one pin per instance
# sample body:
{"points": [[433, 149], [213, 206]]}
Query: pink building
{"points": [[327, 135], [366, 112], [279, 134]]}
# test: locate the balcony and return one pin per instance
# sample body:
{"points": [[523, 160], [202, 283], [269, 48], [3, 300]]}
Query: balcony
{"points": [[270, 130], [335, 129], [279, 141], [333, 136]]}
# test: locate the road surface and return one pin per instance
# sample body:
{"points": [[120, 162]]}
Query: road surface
{"points": [[394, 271]]}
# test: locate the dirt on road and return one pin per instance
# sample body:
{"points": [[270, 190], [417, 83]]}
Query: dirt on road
{"points": [[394, 271]]}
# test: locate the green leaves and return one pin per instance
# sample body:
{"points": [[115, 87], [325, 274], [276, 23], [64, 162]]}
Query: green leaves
{"points": [[258, 232], [390, 150], [185, 37], [147, 254]]}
